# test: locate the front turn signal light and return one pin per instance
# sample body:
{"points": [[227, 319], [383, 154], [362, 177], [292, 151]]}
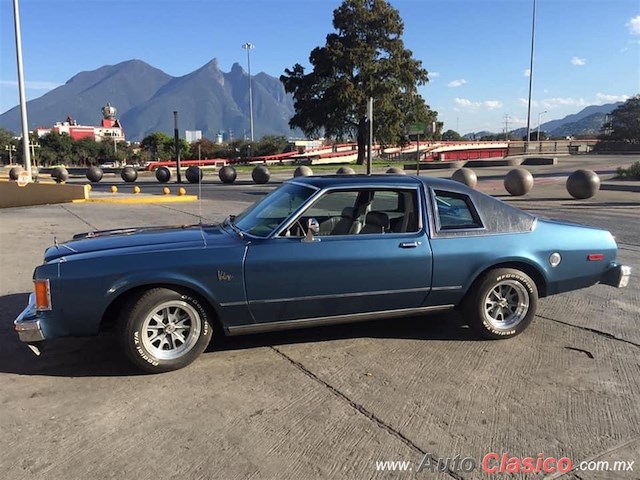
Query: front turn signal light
{"points": [[43, 294]]}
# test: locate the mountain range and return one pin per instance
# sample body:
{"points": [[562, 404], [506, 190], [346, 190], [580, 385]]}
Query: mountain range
{"points": [[207, 99], [587, 121]]}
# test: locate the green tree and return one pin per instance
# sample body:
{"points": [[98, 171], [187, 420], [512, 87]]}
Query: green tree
{"points": [[7, 141], [451, 135], [625, 122], [270, 145], [364, 58], [57, 148], [160, 146]]}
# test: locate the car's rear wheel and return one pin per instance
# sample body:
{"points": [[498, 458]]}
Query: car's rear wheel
{"points": [[502, 303], [163, 329]]}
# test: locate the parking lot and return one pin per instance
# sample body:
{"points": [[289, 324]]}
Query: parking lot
{"points": [[328, 402]]}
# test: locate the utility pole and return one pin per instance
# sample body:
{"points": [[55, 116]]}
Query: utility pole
{"points": [[506, 127], [23, 99], [370, 142], [533, 37], [248, 47], [176, 137]]}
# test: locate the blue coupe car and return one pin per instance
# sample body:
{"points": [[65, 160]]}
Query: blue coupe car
{"points": [[315, 251]]}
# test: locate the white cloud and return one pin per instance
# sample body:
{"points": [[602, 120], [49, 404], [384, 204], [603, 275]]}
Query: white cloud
{"points": [[527, 72], [524, 102], [34, 85], [456, 83], [563, 102], [602, 97], [492, 104], [578, 62], [469, 105], [634, 25], [434, 74]]}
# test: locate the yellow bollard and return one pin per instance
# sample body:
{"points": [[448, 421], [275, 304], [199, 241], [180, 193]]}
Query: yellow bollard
{"points": [[114, 189], [182, 191], [136, 189], [166, 191]]}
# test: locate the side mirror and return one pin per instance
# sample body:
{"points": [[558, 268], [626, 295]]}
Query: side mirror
{"points": [[313, 227]]}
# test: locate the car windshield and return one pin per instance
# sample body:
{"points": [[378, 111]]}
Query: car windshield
{"points": [[263, 217]]}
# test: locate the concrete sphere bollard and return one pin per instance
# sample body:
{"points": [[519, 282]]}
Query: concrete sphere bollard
{"points": [[14, 172], [345, 171], [129, 174], [227, 174], [583, 184], [466, 176], [60, 174], [518, 182], [194, 174], [94, 174], [261, 174], [303, 171], [396, 171], [163, 174]]}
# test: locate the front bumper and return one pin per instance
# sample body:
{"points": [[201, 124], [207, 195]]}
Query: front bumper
{"points": [[617, 276], [28, 325]]}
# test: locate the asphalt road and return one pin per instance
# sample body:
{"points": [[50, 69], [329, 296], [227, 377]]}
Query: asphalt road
{"points": [[326, 402]]}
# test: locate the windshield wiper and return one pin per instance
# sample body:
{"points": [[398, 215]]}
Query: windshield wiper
{"points": [[229, 221]]}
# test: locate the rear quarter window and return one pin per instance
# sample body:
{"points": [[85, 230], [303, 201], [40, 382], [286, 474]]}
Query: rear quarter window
{"points": [[456, 211]]}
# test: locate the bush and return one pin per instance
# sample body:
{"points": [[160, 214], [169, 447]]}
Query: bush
{"points": [[632, 172]]}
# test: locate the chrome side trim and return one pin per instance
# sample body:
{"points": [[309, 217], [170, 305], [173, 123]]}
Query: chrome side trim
{"points": [[452, 287], [333, 295], [333, 320]]}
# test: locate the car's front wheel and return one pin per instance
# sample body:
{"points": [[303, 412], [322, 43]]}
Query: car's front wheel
{"points": [[163, 330], [502, 303]]}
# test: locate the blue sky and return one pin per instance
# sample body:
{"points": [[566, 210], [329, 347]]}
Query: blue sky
{"points": [[477, 51]]}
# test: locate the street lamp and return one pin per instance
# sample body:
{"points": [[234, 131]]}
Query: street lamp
{"points": [[248, 47], [533, 36], [539, 115], [10, 149], [23, 99]]}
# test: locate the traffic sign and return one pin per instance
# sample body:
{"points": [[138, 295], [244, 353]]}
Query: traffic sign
{"points": [[23, 178]]}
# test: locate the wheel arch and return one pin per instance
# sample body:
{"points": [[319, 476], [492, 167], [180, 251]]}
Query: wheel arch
{"points": [[110, 316], [532, 270]]}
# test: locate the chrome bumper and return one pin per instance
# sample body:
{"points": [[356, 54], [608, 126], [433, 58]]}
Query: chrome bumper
{"points": [[617, 276], [27, 325]]}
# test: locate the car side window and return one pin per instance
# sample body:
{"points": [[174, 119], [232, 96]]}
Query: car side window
{"points": [[362, 211], [456, 211]]}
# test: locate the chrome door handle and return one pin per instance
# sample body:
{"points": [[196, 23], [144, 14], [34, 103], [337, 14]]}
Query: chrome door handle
{"points": [[408, 244]]}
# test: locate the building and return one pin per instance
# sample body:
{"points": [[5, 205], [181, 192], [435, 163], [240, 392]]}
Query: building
{"points": [[110, 128]]}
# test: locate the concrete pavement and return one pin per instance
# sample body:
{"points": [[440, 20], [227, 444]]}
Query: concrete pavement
{"points": [[325, 402]]}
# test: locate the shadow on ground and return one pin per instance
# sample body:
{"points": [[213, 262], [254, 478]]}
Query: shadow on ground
{"points": [[101, 356]]}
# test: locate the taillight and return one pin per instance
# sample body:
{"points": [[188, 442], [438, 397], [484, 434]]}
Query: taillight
{"points": [[595, 257], [43, 294]]}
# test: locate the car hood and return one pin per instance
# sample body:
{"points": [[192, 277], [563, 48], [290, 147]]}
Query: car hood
{"points": [[149, 237]]}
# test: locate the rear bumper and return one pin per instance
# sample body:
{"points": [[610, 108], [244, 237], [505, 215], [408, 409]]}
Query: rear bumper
{"points": [[617, 276], [27, 325]]}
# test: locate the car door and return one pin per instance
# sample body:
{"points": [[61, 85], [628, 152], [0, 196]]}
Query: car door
{"points": [[355, 271]]}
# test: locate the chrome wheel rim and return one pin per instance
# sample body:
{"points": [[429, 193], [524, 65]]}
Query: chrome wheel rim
{"points": [[171, 329], [506, 305]]}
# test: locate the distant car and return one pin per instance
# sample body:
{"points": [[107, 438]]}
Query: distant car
{"points": [[109, 165], [315, 251]]}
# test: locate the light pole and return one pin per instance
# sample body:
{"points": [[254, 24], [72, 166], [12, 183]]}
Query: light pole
{"points": [[539, 115], [533, 36], [10, 149], [248, 47], [23, 98]]}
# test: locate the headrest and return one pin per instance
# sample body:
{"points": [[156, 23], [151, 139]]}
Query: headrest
{"points": [[377, 218], [348, 212]]}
